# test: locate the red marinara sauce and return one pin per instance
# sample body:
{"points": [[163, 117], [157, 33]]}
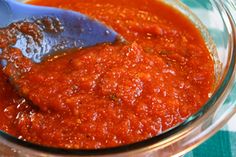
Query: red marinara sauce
{"points": [[111, 95]]}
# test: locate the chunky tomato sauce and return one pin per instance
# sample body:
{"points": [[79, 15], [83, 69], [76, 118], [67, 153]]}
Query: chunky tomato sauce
{"points": [[113, 94]]}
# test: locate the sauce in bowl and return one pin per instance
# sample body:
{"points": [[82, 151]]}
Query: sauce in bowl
{"points": [[113, 94]]}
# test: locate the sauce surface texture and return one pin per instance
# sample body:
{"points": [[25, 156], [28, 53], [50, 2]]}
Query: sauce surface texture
{"points": [[111, 95]]}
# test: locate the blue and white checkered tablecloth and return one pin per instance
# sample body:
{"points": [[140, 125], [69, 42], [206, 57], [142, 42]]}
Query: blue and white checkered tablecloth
{"points": [[222, 144]]}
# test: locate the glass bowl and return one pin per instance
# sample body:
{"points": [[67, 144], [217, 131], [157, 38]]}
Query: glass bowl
{"points": [[217, 25]]}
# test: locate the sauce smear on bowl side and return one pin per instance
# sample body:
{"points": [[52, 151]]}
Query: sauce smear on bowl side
{"points": [[113, 94]]}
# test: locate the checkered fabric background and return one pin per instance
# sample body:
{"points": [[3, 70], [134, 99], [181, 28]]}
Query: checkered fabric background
{"points": [[222, 144]]}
